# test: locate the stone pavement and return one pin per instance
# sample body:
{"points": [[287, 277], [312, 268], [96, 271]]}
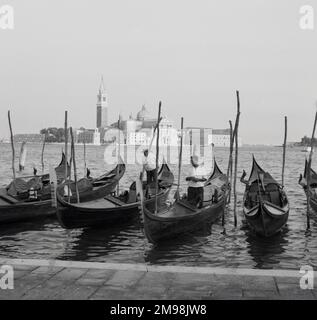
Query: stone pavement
{"points": [[56, 279]]}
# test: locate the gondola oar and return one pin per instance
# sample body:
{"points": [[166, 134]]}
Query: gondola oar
{"points": [[12, 145], [151, 142], [22, 158]]}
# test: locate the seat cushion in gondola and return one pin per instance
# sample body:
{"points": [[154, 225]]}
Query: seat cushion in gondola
{"points": [[252, 199], [17, 186], [254, 188], [275, 198], [83, 185], [6, 197], [271, 187]]}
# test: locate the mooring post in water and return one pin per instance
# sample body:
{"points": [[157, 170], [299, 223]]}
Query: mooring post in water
{"points": [[229, 169], [67, 172], [85, 164], [229, 176], [235, 135], [157, 154], [118, 185], [12, 145], [42, 154], [74, 162], [308, 171], [66, 145], [284, 150], [180, 160]]}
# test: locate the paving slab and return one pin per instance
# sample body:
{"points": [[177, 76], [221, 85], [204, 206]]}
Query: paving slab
{"points": [[51, 270], [69, 274], [67, 280], [125, 278]]}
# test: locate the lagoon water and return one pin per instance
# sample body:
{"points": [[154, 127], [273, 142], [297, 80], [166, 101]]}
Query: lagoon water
{"points": [[217, 246]]}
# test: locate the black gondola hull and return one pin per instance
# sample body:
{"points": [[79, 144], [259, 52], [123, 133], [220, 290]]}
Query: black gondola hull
{"points": [[313, 204], [31, 210], [158, 228], [264, 222], [26, 211], [71, 217]]}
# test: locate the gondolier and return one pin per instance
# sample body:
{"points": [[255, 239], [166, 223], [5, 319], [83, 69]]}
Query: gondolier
{"points": [[195, 191], [149, 166], [181, 217]]}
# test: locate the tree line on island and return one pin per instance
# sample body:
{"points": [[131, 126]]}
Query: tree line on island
{"points": [[54, 134]]}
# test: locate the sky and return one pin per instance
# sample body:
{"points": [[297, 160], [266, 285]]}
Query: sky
{"points": [[191, 55]]}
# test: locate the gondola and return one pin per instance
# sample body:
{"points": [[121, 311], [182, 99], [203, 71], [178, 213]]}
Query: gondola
{"points": [[15, 201], [21, 207], [313, 185], [110, 209], [265, 204], [182, 216]]}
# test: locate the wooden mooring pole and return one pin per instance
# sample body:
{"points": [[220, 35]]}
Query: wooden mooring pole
{"points": [[284, 150], [42, 154], [157, 153], [180, 160], [66, 145], [308, 172], [235, 135], [74, 162]]}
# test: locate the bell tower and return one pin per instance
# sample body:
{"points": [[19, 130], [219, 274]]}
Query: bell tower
{"points": [[102, 106]]}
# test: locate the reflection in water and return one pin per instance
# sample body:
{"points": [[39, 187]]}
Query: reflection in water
{"points": [[266, 252], [210, 246], [163, 252], [100, 244]]}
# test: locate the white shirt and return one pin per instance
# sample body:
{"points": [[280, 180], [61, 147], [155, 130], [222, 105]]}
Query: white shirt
{"points": [[149, 162], [199, 173]]}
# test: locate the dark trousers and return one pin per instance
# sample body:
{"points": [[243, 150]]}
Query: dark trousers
{"points": [[195, 196], [150, 176]]}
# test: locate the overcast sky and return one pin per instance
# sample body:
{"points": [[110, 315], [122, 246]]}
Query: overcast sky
{"points": [[192, 55]]}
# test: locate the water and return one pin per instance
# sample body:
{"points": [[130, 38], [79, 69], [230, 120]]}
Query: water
{"points": [[232, 247]]}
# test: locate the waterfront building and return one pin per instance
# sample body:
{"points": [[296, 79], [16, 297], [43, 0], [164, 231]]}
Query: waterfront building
{"points": [[102, 107], [139, 130], [85, 135], [198, 136], [221, 138]]}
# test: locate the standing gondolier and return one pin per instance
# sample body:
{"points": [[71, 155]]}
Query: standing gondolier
{"points": [[149, 166], [196, 181]]}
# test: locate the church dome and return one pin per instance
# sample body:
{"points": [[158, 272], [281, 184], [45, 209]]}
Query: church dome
{"points": [[143, 114]]}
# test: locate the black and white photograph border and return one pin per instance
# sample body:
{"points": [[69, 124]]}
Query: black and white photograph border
{"points": [[158, 150]]}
